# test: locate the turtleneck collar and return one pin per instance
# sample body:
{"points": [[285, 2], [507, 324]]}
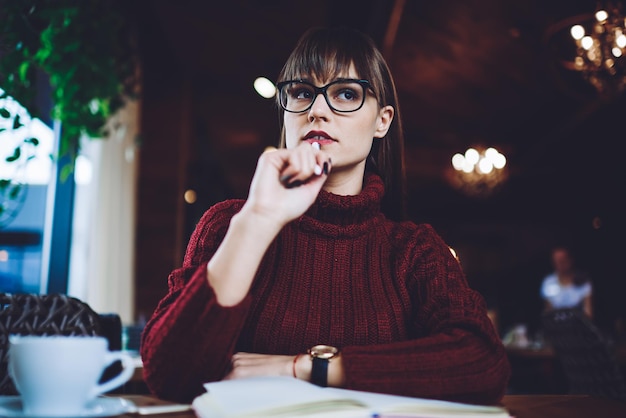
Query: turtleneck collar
{"points": [[337, 214]]}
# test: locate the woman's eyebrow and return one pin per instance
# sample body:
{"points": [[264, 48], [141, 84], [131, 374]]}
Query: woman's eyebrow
{"points": [[346, 79], [333, 80]]}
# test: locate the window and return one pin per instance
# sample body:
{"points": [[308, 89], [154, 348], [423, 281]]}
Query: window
{"points": [[73, 235], [24, 200]]}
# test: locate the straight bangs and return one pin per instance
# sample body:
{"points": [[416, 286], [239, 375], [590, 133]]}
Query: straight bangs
{"points": [[328, 54]]}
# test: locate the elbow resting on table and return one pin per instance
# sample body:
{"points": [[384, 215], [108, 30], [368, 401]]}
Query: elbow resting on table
{"points": [[181, 389], [492, 388], [486, 376]]}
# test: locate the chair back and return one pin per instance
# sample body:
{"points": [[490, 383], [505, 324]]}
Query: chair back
{"points": [[31, 314], [584, 354]]}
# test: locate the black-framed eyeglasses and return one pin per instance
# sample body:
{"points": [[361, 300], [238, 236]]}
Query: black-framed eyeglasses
{"points": [[342, 95]]}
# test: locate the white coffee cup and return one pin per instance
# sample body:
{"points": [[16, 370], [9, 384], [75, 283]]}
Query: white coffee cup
{"points": [[59, 375]]}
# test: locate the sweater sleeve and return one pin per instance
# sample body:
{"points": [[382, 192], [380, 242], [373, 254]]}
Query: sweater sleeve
{"points": [[190, 338], [455, 353]]}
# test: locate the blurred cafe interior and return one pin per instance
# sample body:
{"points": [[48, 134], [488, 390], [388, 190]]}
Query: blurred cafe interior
{"points": [[515, 143]]}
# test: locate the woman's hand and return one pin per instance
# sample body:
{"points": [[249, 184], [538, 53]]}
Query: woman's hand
{"points": [[271, 204], [286, 182], [250, 364]]}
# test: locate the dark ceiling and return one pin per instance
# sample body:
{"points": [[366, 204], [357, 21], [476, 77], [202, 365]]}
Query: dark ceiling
{"points": [[468, 72]]}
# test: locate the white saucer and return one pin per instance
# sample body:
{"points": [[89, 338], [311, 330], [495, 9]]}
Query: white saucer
{"points": [[11, 407]]}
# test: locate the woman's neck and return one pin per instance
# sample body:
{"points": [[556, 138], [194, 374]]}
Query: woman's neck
{"points": [[565, 278], [345, 182]]}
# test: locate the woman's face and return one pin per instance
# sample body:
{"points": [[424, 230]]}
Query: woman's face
{"points": [[346, 137], [562, 261]]}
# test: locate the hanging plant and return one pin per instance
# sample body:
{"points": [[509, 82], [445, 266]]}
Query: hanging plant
{"points": [[86, 50], [84, 47]]}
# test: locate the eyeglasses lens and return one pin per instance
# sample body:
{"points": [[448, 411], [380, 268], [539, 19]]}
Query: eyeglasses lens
{"points": [[342, 96]]}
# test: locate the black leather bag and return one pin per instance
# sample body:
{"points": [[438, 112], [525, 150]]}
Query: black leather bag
{"points": [[33, 314]]}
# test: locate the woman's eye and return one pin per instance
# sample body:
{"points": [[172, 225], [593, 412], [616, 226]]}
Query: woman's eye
{"points": [[347, 94], [301, 94]]}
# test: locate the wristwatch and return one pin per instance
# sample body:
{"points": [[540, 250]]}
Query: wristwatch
{"points": [[320, 356]]}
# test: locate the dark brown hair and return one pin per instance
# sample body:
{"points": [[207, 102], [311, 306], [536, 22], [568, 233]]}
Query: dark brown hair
{"points": [[326, 53]]}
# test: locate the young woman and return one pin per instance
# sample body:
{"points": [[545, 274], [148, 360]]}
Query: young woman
{"points": [[316, 275], [566, 287]]}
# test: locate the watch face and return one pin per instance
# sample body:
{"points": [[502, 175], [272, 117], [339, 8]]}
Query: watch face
{"points": [[325, 352]]}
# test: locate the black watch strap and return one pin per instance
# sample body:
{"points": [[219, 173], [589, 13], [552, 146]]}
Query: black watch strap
{"points": [[319, 372]]}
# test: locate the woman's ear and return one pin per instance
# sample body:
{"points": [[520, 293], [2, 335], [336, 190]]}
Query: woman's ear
{"points": [[385, 116]]}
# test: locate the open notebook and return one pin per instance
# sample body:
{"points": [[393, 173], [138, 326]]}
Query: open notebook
{"points": [[288, 397]]}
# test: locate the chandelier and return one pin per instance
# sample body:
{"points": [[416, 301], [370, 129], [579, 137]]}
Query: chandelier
{"points": [[600, 45], [478, 172]]}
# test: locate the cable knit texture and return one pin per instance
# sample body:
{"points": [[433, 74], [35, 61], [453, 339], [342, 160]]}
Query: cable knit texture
{"points": [[390, 295]]}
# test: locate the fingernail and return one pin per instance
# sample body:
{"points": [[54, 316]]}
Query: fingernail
{"points": [[325, 168], [285, 179], [317, 170], [316, 145], [294, 184]]}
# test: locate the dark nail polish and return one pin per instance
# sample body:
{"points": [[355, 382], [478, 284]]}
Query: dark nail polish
{"points": [[325, 168], [294, 184], [285, 179]]}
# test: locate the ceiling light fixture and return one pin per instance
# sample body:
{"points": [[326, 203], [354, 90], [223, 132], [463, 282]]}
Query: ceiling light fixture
{"points": [[599, 43], [265, 87], [478, 172]]}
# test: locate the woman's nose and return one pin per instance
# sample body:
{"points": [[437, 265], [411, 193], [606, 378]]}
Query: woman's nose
{"points": [[319, 108]]}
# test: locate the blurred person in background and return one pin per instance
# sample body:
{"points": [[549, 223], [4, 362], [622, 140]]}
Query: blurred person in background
{"points": [[566, 286]]}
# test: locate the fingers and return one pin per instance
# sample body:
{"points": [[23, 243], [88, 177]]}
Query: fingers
{"points": [[304, 164], [250, 364], [278, 172], [317, 170]]}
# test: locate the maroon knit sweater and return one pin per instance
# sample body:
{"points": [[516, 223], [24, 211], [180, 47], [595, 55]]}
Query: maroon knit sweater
{"points": [[390, 295]]}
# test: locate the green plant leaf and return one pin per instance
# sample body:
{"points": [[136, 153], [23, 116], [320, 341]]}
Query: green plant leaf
{"points": [[15, 191], [16, 155], [23, 71], [5, 113], [17, 123], [66, 171]]}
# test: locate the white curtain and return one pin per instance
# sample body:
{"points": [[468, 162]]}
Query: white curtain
{"points": [[103, 239]]}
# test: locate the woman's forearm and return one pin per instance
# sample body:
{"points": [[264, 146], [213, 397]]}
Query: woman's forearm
{"points": [[455, 364], [233, 267], [303, 366]]}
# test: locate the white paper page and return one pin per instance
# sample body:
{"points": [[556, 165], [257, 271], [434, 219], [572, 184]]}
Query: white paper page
{"points": [[391, 405], [243, 397]]}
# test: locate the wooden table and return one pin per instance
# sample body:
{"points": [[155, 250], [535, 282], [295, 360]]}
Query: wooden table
{"points": [[520, 406], [563, 406]]}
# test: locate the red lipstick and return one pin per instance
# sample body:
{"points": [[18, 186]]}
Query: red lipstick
{"points": [[320, 137]]}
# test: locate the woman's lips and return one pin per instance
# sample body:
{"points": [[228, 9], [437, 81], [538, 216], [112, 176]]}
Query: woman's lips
{"points": [[320, 137], [320, 141]]}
